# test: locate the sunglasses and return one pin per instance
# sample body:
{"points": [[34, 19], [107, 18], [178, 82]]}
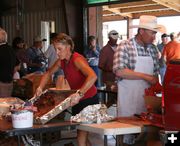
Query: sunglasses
{"points": [[114, 33]]}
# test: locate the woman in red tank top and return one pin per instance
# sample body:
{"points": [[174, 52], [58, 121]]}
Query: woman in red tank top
{"points": [[79, 75]]}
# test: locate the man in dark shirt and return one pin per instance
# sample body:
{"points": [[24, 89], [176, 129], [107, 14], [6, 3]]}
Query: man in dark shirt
{"points": [[7, 65], [106, 64], [106, 57]]}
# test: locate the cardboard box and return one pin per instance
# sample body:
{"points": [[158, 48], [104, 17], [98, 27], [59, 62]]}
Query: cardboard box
{"points": [[153, 103]]}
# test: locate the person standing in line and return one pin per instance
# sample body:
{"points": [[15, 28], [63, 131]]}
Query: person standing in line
{"points": [[51, 55], [106, 57], [172, 49], [20, 50], [106, 65], [36, 59], [165, 39], [8, 62], [92, 54], [136, 66]]}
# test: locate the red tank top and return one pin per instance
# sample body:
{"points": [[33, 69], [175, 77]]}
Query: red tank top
{"points": [[75, 77]]}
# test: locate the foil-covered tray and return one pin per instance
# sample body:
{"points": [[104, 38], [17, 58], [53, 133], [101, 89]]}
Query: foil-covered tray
{"points": [[7, 102], [51, 103], [93, 114]]}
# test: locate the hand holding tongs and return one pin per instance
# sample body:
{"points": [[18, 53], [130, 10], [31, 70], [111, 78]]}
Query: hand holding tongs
{"points": [[37, 95]]}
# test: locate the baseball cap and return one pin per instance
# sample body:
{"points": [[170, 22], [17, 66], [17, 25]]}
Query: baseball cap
{"points": [[53, 35], [113, 34], [164, 35], [38, 39]]}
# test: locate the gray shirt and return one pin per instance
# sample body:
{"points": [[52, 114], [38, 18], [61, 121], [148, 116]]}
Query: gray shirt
{"points": [[51, 55]]}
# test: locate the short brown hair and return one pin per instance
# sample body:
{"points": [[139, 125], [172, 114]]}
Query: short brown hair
{"points": [[65, 39]]}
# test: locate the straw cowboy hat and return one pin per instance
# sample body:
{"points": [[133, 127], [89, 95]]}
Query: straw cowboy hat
{"points": [[149, 22]]}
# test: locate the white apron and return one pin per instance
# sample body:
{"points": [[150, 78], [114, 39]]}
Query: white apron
{"points": [[131, 92]]}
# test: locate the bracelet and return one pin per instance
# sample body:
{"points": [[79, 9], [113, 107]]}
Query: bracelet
{"points": [[80, 93]]}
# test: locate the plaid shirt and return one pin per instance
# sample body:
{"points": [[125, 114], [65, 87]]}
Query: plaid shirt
{"points": [[125, 55]]}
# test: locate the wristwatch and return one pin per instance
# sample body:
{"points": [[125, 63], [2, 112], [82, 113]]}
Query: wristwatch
{"points": [[80, 93]]}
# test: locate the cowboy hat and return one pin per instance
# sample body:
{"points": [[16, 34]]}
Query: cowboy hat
{"points": [[150, 23]]}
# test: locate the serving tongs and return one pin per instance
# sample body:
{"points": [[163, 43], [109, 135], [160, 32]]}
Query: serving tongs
{"points": [[34, 98]]}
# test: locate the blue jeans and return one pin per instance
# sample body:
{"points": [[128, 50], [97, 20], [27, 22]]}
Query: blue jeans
{"points": [[96, 70], [56, 74], [162, 73]]}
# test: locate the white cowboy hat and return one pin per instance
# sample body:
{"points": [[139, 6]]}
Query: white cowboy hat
{"points": [[149, 22]]}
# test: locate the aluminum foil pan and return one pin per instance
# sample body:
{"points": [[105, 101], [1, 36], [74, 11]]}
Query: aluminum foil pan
{"points": [[50, 104], [93, 114]]}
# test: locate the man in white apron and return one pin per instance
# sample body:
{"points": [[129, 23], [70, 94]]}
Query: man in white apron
{"points": [[136, 67]]}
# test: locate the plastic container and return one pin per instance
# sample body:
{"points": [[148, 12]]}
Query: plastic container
{"points": [[22, 119], [172, 96]]}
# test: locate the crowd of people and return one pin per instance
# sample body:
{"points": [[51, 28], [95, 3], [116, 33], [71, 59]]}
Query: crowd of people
{"points": [[132, 66]]}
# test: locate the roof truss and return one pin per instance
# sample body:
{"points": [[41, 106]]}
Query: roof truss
{"points": [[137, 8]]}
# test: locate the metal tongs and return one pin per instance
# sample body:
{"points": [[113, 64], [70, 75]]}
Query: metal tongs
{"points": [[34, 98]]}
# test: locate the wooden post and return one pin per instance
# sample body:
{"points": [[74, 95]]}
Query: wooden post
{"points": [[129, 31]]}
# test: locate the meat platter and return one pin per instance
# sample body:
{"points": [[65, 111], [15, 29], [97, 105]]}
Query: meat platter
{"points": [[50, 104]]}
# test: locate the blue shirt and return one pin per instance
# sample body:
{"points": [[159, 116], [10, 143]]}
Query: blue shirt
{"points": [[92, 56], [36, 56]]}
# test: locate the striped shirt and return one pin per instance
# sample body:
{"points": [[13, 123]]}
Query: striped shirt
{"points": [[125, 55]]}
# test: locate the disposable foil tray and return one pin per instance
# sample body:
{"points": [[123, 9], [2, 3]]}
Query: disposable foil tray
{"points": [[50, 104]]}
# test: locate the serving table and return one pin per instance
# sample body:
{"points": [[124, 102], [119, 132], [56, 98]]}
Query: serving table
{"points": [[7, 130], [118, 127]]}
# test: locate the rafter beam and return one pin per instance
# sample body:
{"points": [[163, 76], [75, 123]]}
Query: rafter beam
{"points": [[144, 9], [137, 15], [158, 13], [107, 12], [113, 18], [133, 4], [173, 4], [117, 12]]}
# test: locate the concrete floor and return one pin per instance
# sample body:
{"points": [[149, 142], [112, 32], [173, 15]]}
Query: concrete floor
{"points": [[96, 140]]}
